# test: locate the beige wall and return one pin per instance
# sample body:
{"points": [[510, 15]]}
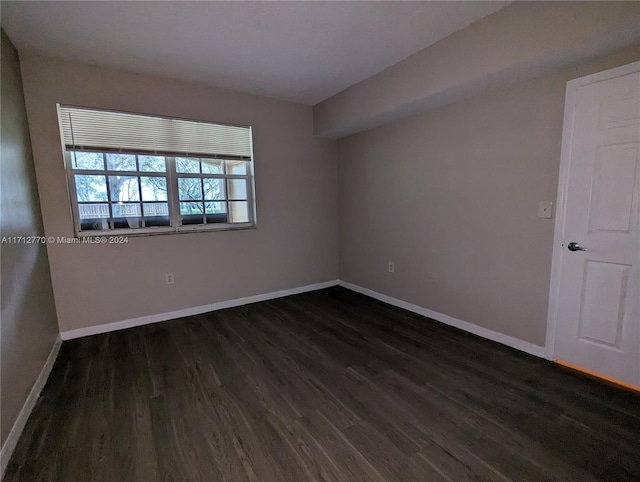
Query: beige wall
{"points": [[522, 41], [451, 197], [28, 319], [295, 243]]}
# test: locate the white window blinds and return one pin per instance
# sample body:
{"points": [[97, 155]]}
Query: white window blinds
{"points": [[106, 130]]}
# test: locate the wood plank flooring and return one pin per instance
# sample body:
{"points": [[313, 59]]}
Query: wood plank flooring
{"points": [[329, 385]]}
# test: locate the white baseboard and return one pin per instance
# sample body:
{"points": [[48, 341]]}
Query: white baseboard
{"points": [[446, 319], [197, 310], [18, 426], [516, 343]]}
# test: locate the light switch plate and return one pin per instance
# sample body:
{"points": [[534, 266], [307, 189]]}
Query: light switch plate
{"points": [[545, 209]]}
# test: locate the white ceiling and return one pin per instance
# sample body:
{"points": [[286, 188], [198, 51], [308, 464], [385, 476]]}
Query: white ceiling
{"points": [[299, 51]]}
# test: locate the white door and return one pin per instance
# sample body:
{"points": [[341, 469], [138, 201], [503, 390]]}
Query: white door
{"points": [[594, 292]]}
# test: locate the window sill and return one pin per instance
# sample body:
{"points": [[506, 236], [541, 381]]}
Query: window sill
{"points": [[197, 228]]}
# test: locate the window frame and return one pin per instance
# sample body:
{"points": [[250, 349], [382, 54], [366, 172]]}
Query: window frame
{"points": [[173, 199]]}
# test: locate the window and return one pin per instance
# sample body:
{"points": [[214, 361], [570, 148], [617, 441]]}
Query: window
{"points": [[131, 173]]}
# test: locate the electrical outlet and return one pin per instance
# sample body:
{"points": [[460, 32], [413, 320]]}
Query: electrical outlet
{"points": [[392, 267], [168, 278]]}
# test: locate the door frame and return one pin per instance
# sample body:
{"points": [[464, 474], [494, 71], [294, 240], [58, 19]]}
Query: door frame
{"points": [[561, 204]]}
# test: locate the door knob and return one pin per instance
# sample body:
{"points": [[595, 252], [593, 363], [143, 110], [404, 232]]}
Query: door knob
{"points": [[575, 247]]}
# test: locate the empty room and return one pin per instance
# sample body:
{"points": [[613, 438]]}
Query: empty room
{"points": [[320, 241]]}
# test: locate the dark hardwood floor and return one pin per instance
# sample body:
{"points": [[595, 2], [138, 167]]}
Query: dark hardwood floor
{"points": [[329, 385]]}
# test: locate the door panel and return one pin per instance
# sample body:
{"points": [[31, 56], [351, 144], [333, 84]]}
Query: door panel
{"points": [[614, 183], [619, 110], [597, 314], [603, 298]]}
